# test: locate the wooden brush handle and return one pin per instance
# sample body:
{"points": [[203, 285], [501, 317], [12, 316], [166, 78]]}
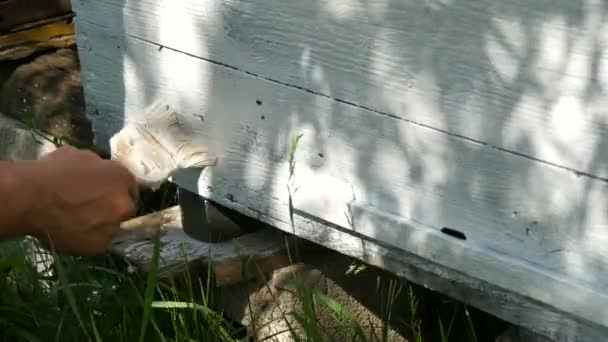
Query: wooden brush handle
{"points": [[146, 226], [154, 220]]}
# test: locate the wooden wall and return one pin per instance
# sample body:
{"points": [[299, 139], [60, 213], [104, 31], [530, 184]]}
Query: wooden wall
{"points": [[470, 134], [17, 14]]}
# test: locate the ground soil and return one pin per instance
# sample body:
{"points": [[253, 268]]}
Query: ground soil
{"points": [[45, 92]]}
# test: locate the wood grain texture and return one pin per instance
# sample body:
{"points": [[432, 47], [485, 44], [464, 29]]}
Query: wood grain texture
{"points": [[230, 262], [19, 14], [531, 228], [507, 305], [530, 77]]}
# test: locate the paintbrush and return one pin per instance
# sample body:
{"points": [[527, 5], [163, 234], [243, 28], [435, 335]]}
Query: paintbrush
{"points": [[153, 150]]}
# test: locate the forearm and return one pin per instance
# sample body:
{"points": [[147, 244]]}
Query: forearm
{"points": [[17, 197], [72, 200]]}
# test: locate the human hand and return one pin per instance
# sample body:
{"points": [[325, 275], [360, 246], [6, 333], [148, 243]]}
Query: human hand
{"points": [[81, 201]]}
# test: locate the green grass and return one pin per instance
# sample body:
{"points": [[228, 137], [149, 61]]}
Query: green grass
{"points": [[98, 299]]}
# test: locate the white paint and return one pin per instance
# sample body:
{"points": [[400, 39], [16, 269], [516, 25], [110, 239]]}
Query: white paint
{"points": [[437, 4], [323, 196], [505, 46], [568, 120], [509, 306], [402, 167], [409, 61], [513, 33], [553, 48], [405, 179], [132, 81], [505, 63], [342, 10], [596, 236]]}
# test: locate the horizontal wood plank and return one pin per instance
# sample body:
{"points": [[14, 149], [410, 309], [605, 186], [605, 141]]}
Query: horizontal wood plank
{"points": [[530, 77], [507, 305], [231, 261], [17, 143], [531, 228], [22, 44], [19, 14]]}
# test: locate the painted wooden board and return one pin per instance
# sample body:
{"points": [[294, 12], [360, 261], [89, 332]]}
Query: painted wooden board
{"points": [[531, 228], [25, 43], [528, 77], [17, 143], [20, 14]]}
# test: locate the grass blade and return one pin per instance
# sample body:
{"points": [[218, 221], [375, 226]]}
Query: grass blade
{"points": [[150, 287], [61, 272], [207, 312], [445, 335], [341, 314], [95, 331], [470, 325]]}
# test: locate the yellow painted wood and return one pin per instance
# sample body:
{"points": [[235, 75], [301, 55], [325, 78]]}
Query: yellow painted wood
{"points": [[21, 44]]}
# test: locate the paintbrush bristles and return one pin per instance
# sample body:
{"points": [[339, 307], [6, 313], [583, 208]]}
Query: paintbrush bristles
{"points": [[154, 149]]}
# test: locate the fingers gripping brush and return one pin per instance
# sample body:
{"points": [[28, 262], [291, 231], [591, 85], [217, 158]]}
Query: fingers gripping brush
{"points": [[153, 150]]}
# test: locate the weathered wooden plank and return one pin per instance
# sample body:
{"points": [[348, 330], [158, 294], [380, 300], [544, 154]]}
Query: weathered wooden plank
{"points": [[22, 44], [231, 261], [527, 76], [531, 228], [541, 317], [516, 334], [18, 14], [507, 305]]}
